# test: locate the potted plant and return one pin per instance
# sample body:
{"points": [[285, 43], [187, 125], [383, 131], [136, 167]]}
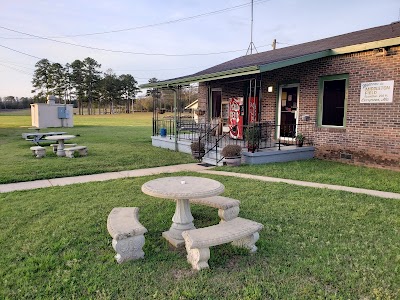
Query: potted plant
{"points": [[200, 112], [252, 136], [198, 150], [232, 155], [300, 139]]}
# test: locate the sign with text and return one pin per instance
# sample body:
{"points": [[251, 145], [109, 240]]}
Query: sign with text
{"points": [[377, 92]]}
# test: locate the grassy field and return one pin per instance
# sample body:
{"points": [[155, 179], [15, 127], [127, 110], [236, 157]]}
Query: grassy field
{"points": [[115, 143], [316, 244], [122, 142]]}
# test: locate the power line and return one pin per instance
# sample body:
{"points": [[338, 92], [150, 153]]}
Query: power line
{"points": [[151, 25], [18, 70], [154, 70], [121, 51], [285, 44], [16, 65], [20, 52]]}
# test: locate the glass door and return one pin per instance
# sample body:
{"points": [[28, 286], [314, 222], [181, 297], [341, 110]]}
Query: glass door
{"points": [[288, 107]]}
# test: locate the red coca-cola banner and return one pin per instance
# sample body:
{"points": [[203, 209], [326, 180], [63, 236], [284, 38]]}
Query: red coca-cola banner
{"points": [[253, 110], [235, 118]]}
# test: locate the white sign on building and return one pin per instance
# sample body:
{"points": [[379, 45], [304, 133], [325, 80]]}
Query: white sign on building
{"points": [[377, 92]]}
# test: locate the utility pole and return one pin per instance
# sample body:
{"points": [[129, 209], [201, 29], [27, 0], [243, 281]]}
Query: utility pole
{"points": [[251, 46], [274, 44]]}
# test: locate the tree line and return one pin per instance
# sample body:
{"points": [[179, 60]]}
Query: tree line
{"points": [[83, 82], [11, 102]]}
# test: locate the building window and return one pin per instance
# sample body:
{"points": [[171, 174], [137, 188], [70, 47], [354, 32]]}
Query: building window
{"points": [[332, 100]]}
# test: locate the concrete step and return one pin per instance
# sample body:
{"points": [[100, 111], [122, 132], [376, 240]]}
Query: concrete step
{"points": [[211, 161], [212, 157]]}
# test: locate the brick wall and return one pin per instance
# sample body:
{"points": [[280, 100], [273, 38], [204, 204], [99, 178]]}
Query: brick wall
{"points": [[372, 133]]}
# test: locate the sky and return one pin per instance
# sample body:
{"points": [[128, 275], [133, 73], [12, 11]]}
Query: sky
{"points": [[157, 38]]}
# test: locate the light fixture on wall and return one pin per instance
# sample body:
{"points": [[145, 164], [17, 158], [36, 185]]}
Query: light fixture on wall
{"points": [[270, 89]]}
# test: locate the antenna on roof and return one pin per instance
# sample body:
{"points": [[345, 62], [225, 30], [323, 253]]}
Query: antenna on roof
{"points": [[251, 46]]}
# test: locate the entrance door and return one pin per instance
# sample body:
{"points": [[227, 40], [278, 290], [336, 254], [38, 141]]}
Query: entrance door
{"points": [[215, 106], [216, 100], [288, 108]]}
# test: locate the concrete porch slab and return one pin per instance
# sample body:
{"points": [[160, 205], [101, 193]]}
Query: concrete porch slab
{"points": [[270, 155]]}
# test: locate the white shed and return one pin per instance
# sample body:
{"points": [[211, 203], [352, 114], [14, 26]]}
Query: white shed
{"points": [[52, 115], [193, 107]]}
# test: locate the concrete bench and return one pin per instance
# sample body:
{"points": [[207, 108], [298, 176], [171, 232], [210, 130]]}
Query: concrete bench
{"points": [[38, 151], [127, 233], [65, 145], [228, 208], [82, 150], [241, 232]]}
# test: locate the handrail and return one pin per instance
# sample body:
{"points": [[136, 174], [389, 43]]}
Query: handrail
{"points": [[206, 135], [216, 144], [220, 137]]}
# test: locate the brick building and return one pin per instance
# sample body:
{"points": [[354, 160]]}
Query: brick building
{"points": [[341, 93]]}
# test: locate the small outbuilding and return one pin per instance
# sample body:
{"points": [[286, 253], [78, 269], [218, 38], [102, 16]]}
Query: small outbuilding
{"points": [[50, 114]]}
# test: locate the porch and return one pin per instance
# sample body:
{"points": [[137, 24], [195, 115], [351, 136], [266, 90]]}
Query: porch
{"points": [[271, 143]]}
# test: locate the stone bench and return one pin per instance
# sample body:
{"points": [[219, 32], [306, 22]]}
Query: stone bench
{"points": [[127, 233], [38, 151], [228, 208], [241, 232], [82, 150], [65, 145]]}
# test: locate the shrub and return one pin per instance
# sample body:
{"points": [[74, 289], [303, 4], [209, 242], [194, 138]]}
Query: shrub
{"points": [[231, 151], [197, 146], [252, 134], [300, 137]]}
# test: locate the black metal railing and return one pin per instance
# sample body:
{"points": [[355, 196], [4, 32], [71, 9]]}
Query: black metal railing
{"points": [[253, 137], [267, 135], [186, 129], [212, 138]]}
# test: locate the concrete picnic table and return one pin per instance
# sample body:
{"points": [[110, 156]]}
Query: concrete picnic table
{"points": [[60, 139], [37, 137], [181, 189]]}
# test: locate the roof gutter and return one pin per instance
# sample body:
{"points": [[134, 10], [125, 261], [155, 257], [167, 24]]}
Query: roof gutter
{"points": [[294, 61], [367, 46], [330, 52], [205, 77]]}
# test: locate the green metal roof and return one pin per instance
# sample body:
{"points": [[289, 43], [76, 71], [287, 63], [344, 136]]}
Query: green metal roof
{"points": [[204, 77]]}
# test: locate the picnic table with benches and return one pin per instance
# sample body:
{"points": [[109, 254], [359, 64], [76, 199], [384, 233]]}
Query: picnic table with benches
{"points": [[127, 232], [197, 190], [37, 137]]}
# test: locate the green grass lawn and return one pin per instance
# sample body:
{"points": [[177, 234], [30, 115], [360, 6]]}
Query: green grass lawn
{"points": [[324, 171], [115, 143], [122, 142], [316, 244]]}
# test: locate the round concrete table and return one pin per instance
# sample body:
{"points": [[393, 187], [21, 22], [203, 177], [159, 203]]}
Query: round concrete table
{"points": [[181, 189], [60, 139]]}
